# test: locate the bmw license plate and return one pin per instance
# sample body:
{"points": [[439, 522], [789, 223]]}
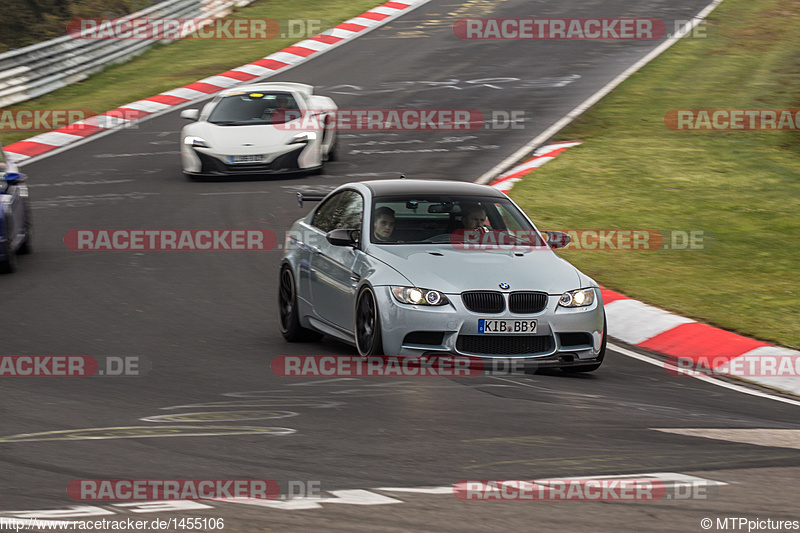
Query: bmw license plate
{"points": [[237, 159], [517, 327]]}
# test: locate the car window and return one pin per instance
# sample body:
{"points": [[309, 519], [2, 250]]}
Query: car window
{"points": [[509, 220], [344, 210], [323, 216], [349, 211]]}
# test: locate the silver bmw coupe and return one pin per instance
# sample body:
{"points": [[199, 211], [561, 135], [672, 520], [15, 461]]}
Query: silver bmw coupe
{"points": [[425, 267]]}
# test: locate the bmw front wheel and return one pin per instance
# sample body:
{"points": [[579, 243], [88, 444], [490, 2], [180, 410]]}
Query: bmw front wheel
{"points": [[290, 326], [368, 326]]}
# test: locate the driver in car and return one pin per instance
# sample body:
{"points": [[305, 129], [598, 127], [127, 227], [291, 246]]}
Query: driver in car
{"points": [[473, 216], [383, 224], [283, 111]]}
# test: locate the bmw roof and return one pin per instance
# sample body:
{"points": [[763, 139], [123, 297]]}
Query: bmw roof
{"points": [[417, 186]]}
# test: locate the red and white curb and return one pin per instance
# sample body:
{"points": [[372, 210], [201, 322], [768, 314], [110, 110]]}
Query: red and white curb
{"points": [[506, 181], [654, 329], [263, 68]]}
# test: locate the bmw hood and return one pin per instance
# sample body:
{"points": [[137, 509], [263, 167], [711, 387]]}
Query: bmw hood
{"points": [[453, 271], [244, 140]]}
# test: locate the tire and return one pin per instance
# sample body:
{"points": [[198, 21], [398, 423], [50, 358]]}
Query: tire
{"points": [[333, 153], [27, 246], [9, 265], [288, 319], [594, 366], [368, 325]]}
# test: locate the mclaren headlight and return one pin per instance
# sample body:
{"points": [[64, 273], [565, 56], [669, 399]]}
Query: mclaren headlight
{"points": [[305, 137], [577, 298], [192, 140], [417, 296]]}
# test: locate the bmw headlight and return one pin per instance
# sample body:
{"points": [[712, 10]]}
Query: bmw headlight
{"points": [[577, 298], [417, 296], [191, 140], [305, 137]]}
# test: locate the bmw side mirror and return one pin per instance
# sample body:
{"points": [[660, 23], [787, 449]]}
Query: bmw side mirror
{"points": [[190, 114], [343, 237], [556, 239]]}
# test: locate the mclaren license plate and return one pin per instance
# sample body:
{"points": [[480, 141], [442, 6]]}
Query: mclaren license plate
{"points": [[516, 327], [239, 159]]}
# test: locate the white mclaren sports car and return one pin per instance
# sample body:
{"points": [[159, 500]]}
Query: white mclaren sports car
{"points": [[263, 128]]}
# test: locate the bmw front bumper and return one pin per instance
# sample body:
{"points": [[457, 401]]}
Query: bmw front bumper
{"points": [[564, 336]]}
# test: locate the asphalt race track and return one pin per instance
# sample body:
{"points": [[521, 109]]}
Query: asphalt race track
{"points": [[205, 323]]}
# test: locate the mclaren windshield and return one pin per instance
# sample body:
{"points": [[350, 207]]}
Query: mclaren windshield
{"points": [[252, 108]]}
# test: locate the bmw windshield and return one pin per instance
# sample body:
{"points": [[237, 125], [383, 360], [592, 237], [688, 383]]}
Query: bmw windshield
{"points": [[460, 220]]}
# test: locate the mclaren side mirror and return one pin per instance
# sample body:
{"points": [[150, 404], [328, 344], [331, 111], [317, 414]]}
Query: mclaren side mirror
{"points": [[190, 114]]}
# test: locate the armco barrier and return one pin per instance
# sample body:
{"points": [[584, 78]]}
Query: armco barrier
{"points": [[44, 67]]}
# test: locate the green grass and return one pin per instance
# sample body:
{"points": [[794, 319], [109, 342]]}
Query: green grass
{"points": [[165, 67], [741, 187]]}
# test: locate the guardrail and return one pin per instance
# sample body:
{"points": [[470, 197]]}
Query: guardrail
{"points": [[44, 67]]}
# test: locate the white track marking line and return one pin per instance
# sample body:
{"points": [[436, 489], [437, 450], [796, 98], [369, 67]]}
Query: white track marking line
{"points": [[713, 381]]}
